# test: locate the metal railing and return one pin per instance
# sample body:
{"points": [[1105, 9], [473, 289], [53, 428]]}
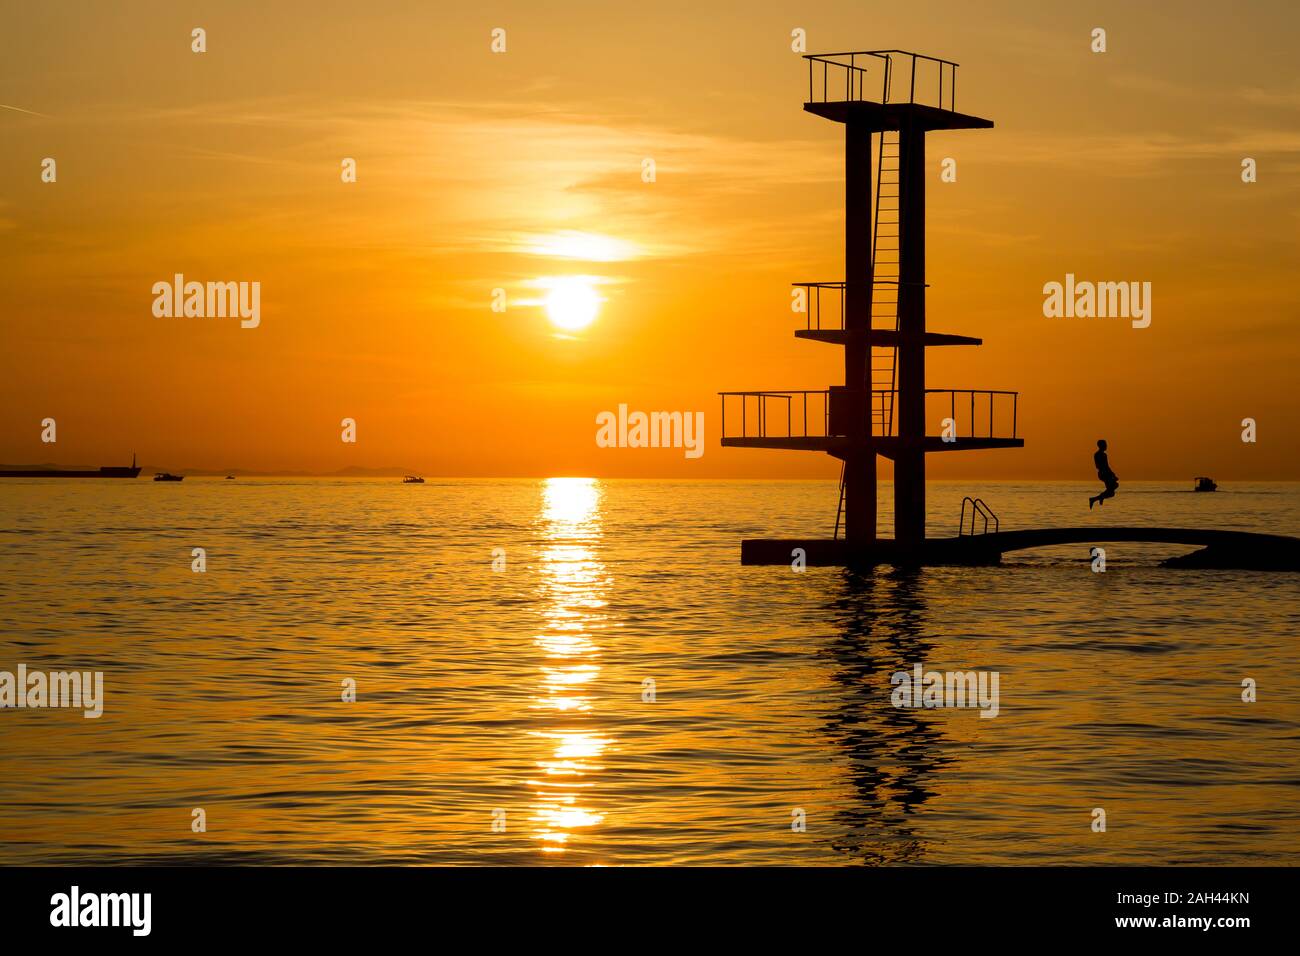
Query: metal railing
{"points": [[807, 413], [977, 507], [804, 413], [832, 312], [974, 410], [868, 76], [825, 303]]}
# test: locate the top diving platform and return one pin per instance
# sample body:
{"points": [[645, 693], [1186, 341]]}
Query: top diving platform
{"points": [[883, 90]]}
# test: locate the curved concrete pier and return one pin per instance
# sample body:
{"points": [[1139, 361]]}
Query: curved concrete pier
{"points": [[1218, 549]]}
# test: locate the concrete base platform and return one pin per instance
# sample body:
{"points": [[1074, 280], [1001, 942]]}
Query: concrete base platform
{"points": [[828, 552], [1219, 549]]}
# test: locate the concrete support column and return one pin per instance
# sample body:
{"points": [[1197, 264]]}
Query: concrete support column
{"points": [[860, 463], [860, 498]]}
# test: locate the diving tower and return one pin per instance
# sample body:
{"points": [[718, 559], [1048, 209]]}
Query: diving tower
{"points": [[888, 101]]}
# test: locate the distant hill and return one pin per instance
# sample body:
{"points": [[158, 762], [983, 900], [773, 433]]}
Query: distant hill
{"points": [[148, 470], [352, 471]]}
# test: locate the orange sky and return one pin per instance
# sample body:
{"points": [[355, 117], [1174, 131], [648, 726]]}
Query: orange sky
{"points": [[375, 295]]}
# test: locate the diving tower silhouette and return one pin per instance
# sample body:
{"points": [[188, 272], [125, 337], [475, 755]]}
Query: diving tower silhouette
{"points": [[888, 102]]}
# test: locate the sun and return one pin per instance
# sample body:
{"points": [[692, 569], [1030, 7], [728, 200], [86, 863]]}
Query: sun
{"points": [[572, 302]]}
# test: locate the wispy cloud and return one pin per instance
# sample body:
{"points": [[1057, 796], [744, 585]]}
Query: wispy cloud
{"points": [[19, 109], [489, 178]]}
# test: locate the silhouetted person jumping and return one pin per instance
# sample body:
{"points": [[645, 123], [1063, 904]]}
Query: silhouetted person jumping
{"points": [[1108, 477]]}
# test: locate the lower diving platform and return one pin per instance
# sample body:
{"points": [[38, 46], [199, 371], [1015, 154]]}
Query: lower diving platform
{"points": [[885, 446], [1217, 549], [821, 419]]}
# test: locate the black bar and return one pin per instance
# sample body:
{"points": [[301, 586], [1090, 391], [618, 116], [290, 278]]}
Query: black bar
{"points": [[333, 906]]}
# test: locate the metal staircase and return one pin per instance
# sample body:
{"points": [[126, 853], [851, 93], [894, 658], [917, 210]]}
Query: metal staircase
{"points": [[839, 511], [884, 283]]}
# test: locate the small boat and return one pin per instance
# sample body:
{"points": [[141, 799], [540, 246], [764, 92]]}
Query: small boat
{"points": [[1205, 484], [168, 476], [412, 480], [230, 477]]}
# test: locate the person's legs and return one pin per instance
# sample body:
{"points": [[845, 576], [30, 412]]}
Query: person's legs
{"points": [[1109, 491]]}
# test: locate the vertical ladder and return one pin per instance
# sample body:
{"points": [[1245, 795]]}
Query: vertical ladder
{"points": [[885, 272], [840, 510]]}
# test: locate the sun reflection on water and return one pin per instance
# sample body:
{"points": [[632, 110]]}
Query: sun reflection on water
{"points": [[572, 591]]}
